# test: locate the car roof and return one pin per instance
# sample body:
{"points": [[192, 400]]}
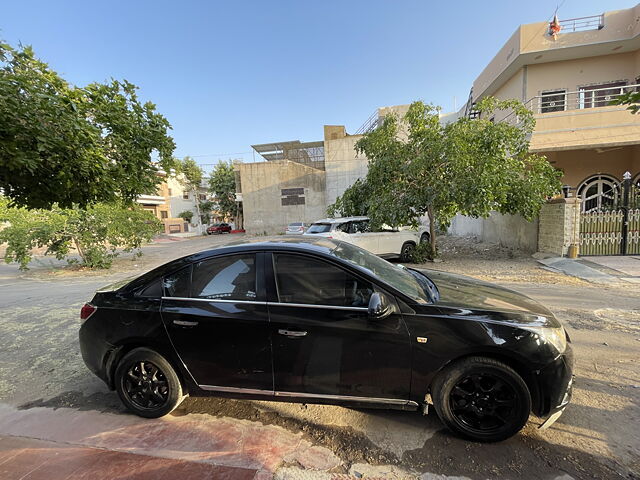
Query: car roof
{"points": [[341, 219]]}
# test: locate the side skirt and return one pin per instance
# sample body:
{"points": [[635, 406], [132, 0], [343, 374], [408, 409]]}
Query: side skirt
{"points": [[303, 397]]}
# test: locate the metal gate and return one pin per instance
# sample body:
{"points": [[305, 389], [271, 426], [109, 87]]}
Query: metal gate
{"points": [[613, 229]]}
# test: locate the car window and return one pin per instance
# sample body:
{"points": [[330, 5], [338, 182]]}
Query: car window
{"points": [[344, 227], [152, 290], [319, 228], [302, 279], [231, 277], [360, 226], [295, 224], [177, 284]]}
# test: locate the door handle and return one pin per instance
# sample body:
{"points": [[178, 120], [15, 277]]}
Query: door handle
{"points": [[292, 333], [185, 323]]}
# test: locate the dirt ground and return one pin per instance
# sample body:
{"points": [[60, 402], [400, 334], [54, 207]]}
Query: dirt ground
{"points": [[597, 437]]}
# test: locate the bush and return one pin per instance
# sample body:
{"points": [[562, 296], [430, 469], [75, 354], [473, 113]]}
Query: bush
{"points": [[423, 253], [95, 232]]}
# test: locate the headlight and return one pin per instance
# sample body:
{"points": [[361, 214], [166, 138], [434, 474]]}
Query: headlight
{"points": [[555, 336]]}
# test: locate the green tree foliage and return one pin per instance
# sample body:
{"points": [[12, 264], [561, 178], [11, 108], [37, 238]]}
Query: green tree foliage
{"points": [[632, 99], [418, 166], [67, 145], [187, 215], [222, 185], [95, 233]]}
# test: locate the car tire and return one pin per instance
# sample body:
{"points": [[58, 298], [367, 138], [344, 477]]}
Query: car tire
{"points": [[481, 399], [425, 238], [147, 384], [406, 253]]}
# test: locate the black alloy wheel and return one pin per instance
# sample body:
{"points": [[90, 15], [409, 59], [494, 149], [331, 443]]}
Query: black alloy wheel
{"points": [[483, 402], [147, 383], [481, 399]]}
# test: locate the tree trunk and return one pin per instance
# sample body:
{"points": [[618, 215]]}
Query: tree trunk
{"points": [[432, 231], [79, 249]]}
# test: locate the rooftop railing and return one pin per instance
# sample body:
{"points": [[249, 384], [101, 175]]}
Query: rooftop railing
{"points": [[594, 22], [370, 124]]}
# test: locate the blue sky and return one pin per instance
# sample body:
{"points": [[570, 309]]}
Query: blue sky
{"points": [[235, 73]]}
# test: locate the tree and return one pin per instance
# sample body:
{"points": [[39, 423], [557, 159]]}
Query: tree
{"points": [[95, 233], [632, 99], [222, 185], [191, 178], [67, 145], [205, 211], [418, 166], [187, 215]]}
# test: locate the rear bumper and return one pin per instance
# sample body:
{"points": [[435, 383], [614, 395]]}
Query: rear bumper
{"points": [[95, 351], [556, 384]]}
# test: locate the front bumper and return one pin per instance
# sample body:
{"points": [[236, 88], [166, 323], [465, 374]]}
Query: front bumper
{"points": [[556, 386]]}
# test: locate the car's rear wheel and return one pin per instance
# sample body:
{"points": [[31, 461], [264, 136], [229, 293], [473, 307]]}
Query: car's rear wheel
{"points": [[406, 254], [481, 399], [147, 383]]}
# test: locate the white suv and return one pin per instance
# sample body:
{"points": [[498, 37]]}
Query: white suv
{"points": [[355, 230]]}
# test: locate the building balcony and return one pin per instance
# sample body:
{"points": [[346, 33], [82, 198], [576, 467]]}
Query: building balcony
{"points": [[150, 200], [581, 119]]}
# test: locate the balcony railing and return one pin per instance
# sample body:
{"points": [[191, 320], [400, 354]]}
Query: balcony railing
{"points": [[594, 22], [582, 99]]}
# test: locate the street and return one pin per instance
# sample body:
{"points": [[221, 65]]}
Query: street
{"points": [[47, 394]]}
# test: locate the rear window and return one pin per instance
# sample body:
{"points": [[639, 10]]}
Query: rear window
{"points": [[295, 224], [319, 228]]}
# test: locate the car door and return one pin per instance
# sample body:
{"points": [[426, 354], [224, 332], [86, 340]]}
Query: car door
{"points": [[216, 315], [363, 237], [324, 345]]}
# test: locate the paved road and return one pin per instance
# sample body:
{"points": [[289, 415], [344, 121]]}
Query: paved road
{"points": [[45, 386]]}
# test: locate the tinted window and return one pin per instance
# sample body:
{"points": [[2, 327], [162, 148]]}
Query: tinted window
{"points": [[305, 280], [177, 284], [228, 278], [360, 226], [295, 224], [319, 228], [152, 290], [344, 227]]}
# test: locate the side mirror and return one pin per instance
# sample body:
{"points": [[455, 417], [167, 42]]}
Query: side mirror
{"points": [[380, 306]]}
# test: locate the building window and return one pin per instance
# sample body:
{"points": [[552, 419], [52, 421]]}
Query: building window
{"points": [[599, 192], [292, 196], [600, 95], [202, 197], [169, 190], [185, 195], [553, 101], [164, 214]]}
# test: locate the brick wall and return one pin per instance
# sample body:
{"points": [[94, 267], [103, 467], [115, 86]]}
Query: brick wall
{"points": [[559, 225]]}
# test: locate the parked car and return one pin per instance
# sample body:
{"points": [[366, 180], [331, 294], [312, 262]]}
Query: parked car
{"points": [[387, 243], [219, 228], [295, 228], [317, 320]]}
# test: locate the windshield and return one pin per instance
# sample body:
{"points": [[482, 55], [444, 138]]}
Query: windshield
{"points": [[395, 275], [319, 228]]}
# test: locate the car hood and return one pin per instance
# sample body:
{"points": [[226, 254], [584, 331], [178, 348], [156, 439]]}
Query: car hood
{"points": [[459, 291]]}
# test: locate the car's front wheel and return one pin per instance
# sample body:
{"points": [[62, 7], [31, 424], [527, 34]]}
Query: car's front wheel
{"points": [[481, 399], [147, 383]]}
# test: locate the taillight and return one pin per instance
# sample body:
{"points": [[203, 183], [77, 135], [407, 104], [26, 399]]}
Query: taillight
{"points": [[87, 310]]}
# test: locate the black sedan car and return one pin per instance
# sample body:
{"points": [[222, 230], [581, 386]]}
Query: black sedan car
{"points": [[322, 321]]}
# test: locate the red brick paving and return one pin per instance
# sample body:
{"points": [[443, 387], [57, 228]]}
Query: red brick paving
{"points": [[28, 459]]}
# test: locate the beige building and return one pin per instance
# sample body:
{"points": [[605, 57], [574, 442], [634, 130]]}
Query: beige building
{"points": [[568, 81]]}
